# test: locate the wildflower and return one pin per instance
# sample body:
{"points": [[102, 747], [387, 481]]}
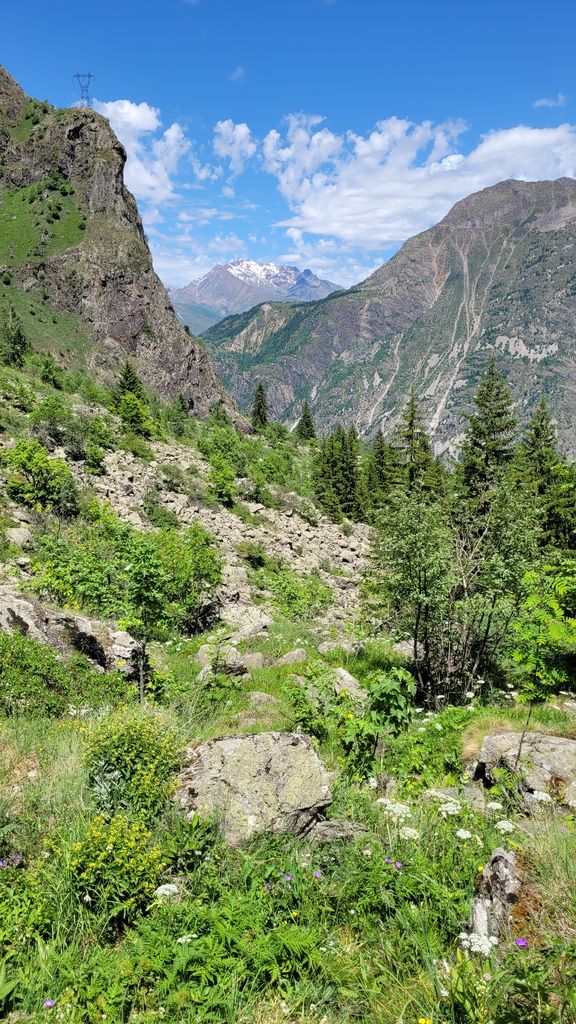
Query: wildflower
{"points": [[542, 798], [87, 898], [318, 874], [480, 867], [267, 886], [421, 729], [409, 833], [493, 805], [438, 727], [398, 864], [487, 976], [4, 864], [367, 852], [49, 1003], [17, 859], [424, 1020], [477, 943], [388, 860], [505, 826], [451, 807], [470, 694], [393, 809], [463, 833], [287, 878], [184, 939], [372, 783], [521, 942]]}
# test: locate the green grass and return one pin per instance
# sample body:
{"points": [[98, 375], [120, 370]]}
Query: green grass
{"points": [[37, 221], [47, 329]]}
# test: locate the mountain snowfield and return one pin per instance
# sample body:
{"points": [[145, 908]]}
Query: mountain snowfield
{"points": [[238, 286]]}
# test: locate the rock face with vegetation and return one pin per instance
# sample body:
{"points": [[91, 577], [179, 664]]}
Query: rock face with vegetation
{"points": [[74, 260], [496, 276]]}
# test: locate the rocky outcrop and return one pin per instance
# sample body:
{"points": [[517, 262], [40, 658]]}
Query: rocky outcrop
{"points": [[496, 893], [106, 646], [547, 765], [495, 276], [271, 782], [104, 279]]}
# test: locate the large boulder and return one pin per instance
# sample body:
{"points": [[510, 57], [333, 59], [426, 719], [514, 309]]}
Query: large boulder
{"points": [[269, 782], [497, 891], [547, 764]]}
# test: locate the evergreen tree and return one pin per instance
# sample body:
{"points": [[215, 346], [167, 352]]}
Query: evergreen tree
{"points": [[540, 463], [305, 429], [129, 383], [415, 447], [489, 440], [539, 448], [134, 415], [382, 471], [14, 345], [259, 415]]}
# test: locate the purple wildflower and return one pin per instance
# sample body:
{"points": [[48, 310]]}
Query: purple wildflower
{"points": [[521, 942], [398, 864], [17, 859], [3, 863], [287, 878], [267, 886], [388, 860], [318, 874], [48, 1003]]}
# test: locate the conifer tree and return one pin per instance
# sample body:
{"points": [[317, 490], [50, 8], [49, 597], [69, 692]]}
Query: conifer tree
{"points": [[259, 415], [489, 440], [129, 383], [540, 463], [539, 448], [414, 444], [305, 429], [14, 345]]}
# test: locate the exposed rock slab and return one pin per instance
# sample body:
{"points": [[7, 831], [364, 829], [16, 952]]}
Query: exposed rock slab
{"points": [[270, 782], [497, 892], [547, 763]]}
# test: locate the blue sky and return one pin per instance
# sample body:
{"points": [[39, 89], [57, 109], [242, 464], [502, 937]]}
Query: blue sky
{"points": [[317, 132]]}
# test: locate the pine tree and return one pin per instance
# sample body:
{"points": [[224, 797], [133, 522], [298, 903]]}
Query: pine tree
{"points": [[539, 448], [305, 429], [14, 345], [129, 383], [259, 415], [489, 440], [414, 446], [540, 463], [382, 471]]}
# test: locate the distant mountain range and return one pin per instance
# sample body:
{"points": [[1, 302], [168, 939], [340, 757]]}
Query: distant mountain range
{"points": [[238, 286], [496, 276]]}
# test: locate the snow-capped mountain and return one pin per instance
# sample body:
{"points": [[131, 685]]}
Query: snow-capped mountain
{"points": [[236, 287]]}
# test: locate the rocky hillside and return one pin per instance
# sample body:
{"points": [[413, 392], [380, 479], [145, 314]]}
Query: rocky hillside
{"points": [[238, 286], [74, 260], [497, 275]]}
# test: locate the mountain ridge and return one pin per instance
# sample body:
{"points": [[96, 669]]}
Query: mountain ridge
{"points": [[496, 276], [73, 241], [242, 284]]}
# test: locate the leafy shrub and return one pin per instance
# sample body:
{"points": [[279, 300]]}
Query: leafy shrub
{"points": [[221, 480], [420, 760], [38, 481], [94, 459], [116, 867], [130, 757], [159, 516], [299, 597], [110, 569], [35, 681], [137, 447], [134, 416]]}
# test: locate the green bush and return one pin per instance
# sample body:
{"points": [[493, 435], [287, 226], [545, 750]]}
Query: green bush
{"points": [[130, 757], [38, 481], [116, 867], [135, 416], [297, 596], [94, 460], [137, 446], [35, 681]]}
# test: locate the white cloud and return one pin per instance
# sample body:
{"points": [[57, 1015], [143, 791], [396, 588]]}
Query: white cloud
{"points": [[178, 262], [374, 191], [234, 142], [560, 101], [237, 74]]}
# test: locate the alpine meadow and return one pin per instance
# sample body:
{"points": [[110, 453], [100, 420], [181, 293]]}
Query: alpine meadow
{"points": [[287, 515]]}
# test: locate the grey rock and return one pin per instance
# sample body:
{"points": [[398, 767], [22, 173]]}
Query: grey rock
{"points": [[339, 645], [547, 763], [497, 892], [19, 535], [269, 782], [336, 830], [345, 682], [295, 657]]}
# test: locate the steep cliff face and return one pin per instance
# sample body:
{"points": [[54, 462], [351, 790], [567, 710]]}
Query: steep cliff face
{"points": [[497, 275], [73, 235]]}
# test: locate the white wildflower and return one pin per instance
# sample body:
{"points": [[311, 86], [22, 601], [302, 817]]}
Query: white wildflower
{"points": [[505, 826], [393, 809], [477, 943], [421, 729], [470, 695], [184, 939], [372, 783], [541, 797], [463, 833], [409, 833], [367, 852], [438, 727], [418, 711], [87, 898], [493, 805], [451, 807]]}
